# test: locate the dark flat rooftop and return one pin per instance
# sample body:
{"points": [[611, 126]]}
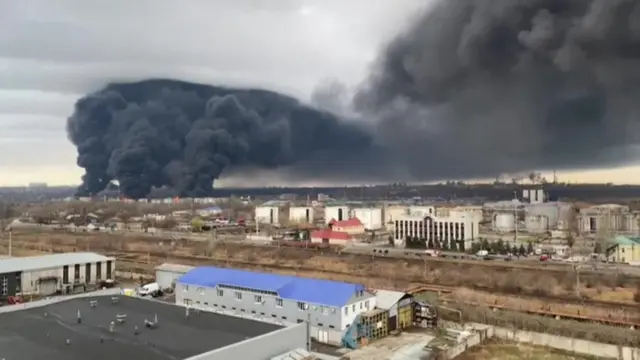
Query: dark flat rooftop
{"points": [[42, 332]]}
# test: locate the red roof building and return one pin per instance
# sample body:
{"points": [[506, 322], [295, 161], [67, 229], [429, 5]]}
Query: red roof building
{"points": [[351, 226], [328, 236]]}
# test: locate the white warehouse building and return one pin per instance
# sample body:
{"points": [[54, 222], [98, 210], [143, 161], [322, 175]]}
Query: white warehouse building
{"points": [[301, 214], [49, 274], [371, 218], [329, 306]]}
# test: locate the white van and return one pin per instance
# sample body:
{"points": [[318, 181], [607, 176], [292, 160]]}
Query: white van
{"points": [[152, 289]]}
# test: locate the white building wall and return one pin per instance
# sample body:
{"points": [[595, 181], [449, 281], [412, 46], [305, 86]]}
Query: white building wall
{"points": [[301, 214], [442, 228], [422, 210], [29, 279], [391, 213], [336, 212], [267, 215], [354, 309], [371, 218]]}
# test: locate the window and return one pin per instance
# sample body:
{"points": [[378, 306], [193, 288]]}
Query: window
{"points": [[186, 288], [220, 292], [331, 327], [366, 304], [200, 290], [284, 318], [4, 286], [257, 299], [319, 324], [238, 295], [361, 305], [303, 306], [353, 308], [346, 310], [279, 302], [253, 311], [18, 282], [206, 303], [224, 307], [325, 310], [300, 321], [333, 310], [273, 315]]}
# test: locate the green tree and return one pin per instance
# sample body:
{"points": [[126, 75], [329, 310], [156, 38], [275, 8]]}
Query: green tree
{"points": [[197, 224], [453, 246], [498, 247], [522, 251], [475, 247], [430, 244], [529, 248], [514, 250], [484, 245]]}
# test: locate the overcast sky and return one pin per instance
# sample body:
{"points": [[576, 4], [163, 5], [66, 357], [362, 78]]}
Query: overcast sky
{"points": [[53, 52]]}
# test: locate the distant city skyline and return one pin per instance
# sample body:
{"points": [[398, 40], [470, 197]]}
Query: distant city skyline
{"points": [[70, 176]]}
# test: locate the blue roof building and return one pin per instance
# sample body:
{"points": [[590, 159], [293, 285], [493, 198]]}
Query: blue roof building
{"points": [[306, 290]]}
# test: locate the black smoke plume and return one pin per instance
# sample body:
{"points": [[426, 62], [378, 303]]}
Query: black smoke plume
{"points": [[182, 135], [472, 88]]}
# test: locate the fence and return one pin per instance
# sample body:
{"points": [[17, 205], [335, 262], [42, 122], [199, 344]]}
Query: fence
{"points": [[484, 332]]}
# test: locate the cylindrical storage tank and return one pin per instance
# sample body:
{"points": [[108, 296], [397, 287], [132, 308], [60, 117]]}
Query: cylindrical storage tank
{"points": [[536, 223], [551, 211], [503, 222]]}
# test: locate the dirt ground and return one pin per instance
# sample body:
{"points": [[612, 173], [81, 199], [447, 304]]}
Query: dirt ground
{"points": [[516, 351]]}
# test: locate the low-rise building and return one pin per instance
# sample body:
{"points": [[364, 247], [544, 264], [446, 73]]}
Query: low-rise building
{"points": [[328, 236], [456, 227], [626, 249], [167, 274], [351, 226], [48, 274], [330, 307]]}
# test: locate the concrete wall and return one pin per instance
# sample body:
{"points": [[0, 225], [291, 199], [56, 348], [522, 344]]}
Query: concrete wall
{"points": [[578, 346], [592, 348], [262, 347]]}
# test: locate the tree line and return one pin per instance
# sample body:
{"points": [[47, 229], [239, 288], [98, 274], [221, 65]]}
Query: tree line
{"points": [[497, 247]]}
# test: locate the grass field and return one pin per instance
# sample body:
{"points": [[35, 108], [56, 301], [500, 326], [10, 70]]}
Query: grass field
{"points": [[515, 351]]}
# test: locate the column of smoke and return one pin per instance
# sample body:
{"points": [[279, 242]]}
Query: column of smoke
{"points": [[472, 88]]}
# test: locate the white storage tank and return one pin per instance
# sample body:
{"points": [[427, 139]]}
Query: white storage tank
{"points": [[371, 218], [504, 222], [554, 212], [338, 213], [536, 223], [301, 214]]}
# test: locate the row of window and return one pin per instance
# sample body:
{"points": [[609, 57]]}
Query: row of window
{"points": [[188, 302], [363, 305], [258, 299]]}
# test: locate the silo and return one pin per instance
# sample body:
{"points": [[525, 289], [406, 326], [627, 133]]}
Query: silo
{"points": [[503, 222], [536, 223]]}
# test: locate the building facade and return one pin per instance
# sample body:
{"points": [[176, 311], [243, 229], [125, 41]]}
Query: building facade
{"points": [[271, 215], [327, 236], [338, 213], [329, 306], [48, 274], [351, 226], [167, 274], [457, 227], [371, 218], [626, 249], [301, 214]]}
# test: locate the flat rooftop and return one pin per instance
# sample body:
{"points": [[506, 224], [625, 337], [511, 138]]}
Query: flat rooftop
{"points": [[42, 332]]}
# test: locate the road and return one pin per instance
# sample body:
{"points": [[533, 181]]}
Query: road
{"points": [[381, 249]]}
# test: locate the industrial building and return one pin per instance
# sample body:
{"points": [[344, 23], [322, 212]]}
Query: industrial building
{"points": [[167, 274], [327, 236], [272, 213], [338, 212], [371, 217], [107, 326], [351, 226], [626, 249], [49, 274], [330, 307], [458, 227], [301, 214], [399, 306], [607, 218]]}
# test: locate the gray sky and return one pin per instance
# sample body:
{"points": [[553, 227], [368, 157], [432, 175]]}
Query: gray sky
{"points": [[53, 52]]}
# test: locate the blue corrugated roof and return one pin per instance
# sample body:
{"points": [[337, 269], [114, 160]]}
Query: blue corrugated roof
{"points": [[314, 291]]}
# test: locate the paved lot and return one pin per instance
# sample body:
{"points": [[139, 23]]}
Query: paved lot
{"points": [[42, 333]]}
